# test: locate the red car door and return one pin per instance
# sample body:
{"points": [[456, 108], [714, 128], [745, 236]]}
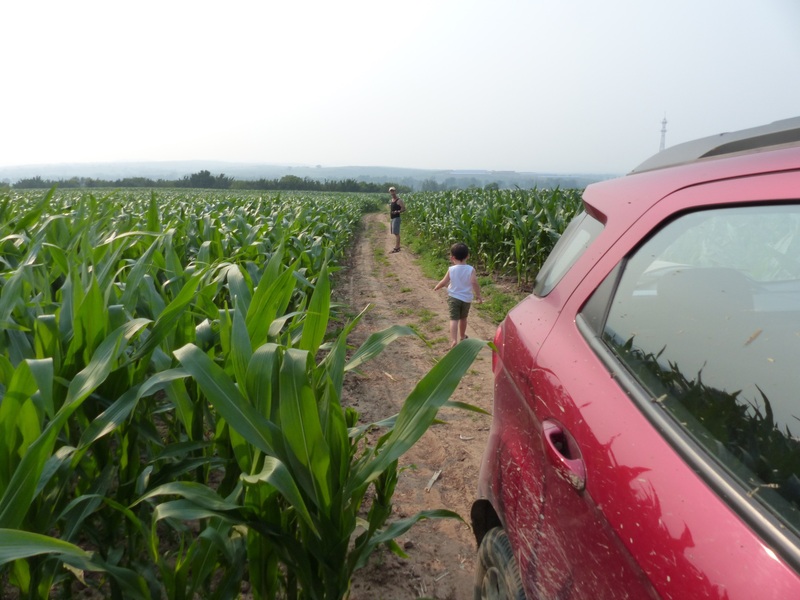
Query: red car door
{"points": [[625, 512], [579, 555]]}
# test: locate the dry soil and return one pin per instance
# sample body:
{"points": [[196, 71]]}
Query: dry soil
{"points": [[441, 560]]}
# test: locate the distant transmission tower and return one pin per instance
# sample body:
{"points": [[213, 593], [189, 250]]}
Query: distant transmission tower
{"points": [[663, 134]]}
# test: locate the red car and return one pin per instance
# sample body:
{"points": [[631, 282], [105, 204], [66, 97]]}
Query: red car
{"points": [[646, 429]]}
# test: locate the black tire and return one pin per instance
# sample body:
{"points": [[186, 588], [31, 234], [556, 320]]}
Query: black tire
{"points": [[497, 576]]}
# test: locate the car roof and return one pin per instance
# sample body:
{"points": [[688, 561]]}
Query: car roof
{"points": [[755, 151], [786, 131]]}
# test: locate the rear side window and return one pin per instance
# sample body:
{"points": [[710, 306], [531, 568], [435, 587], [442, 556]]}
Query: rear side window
{"points": [[706, 315], [580, 232]]}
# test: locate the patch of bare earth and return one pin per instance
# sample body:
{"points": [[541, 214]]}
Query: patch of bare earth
{"points": [[441, 470]]}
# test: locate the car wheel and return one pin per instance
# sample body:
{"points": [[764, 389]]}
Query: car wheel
{"points": [[497, 576]]}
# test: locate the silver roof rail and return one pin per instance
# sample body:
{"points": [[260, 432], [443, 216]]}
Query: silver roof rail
{"points": [[779, 132]]}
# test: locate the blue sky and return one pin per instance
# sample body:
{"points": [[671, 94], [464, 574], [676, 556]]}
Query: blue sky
{"points": [[528, 85]]}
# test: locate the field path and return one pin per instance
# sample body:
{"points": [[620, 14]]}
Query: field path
{"points": [[441, 553]]}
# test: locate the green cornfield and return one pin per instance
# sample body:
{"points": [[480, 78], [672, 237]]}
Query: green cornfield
{"points": [[509, 232], [171, 424]]}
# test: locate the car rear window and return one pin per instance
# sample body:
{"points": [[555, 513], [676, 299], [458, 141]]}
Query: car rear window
{"points": [[706, 315], [580, 232]]}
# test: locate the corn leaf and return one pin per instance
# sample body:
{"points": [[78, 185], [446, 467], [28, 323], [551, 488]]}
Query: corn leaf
{"points": [[15, 544], [300, 423], [275, 473], [376, 343], [419, 409], [317, 314], [223, 394]]}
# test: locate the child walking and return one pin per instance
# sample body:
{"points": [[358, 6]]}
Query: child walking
{"points": [[462, 287]]}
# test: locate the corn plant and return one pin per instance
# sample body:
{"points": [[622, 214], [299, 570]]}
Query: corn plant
{"points": [[509, 232], [305, 469]]}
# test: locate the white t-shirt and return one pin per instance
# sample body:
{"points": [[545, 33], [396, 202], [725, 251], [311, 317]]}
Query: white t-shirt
{"points": [[460, 282]]}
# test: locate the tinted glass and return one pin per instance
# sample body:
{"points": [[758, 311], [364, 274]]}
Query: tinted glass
{"points": [[573, 242], [707, 316]]}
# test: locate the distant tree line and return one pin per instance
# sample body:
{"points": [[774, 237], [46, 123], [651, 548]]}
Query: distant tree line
{"points": [[205, 180]]}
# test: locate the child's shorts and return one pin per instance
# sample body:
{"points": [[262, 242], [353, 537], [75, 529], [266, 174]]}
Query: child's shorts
{"points": [[458, 308]]}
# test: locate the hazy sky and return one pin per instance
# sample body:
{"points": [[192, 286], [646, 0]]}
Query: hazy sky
{"points": [[526, 85]]}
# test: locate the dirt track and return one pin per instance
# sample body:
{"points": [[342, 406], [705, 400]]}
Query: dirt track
{"points": [[441, 553]]}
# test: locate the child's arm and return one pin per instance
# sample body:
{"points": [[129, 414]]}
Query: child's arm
{"points": [[444, 282], [476, 287]]}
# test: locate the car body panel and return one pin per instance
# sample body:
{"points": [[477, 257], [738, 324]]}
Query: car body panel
{"points": [[644, 522]]}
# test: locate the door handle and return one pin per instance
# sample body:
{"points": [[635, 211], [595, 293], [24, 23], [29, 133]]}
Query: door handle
{"points": [[564, 454]]}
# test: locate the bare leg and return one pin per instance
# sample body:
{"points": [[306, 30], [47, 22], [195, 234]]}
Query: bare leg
{"points": [[453, 333], [462, 328], [397, 241]]}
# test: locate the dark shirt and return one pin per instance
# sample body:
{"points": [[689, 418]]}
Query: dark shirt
{"points": [[394, 209]]}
